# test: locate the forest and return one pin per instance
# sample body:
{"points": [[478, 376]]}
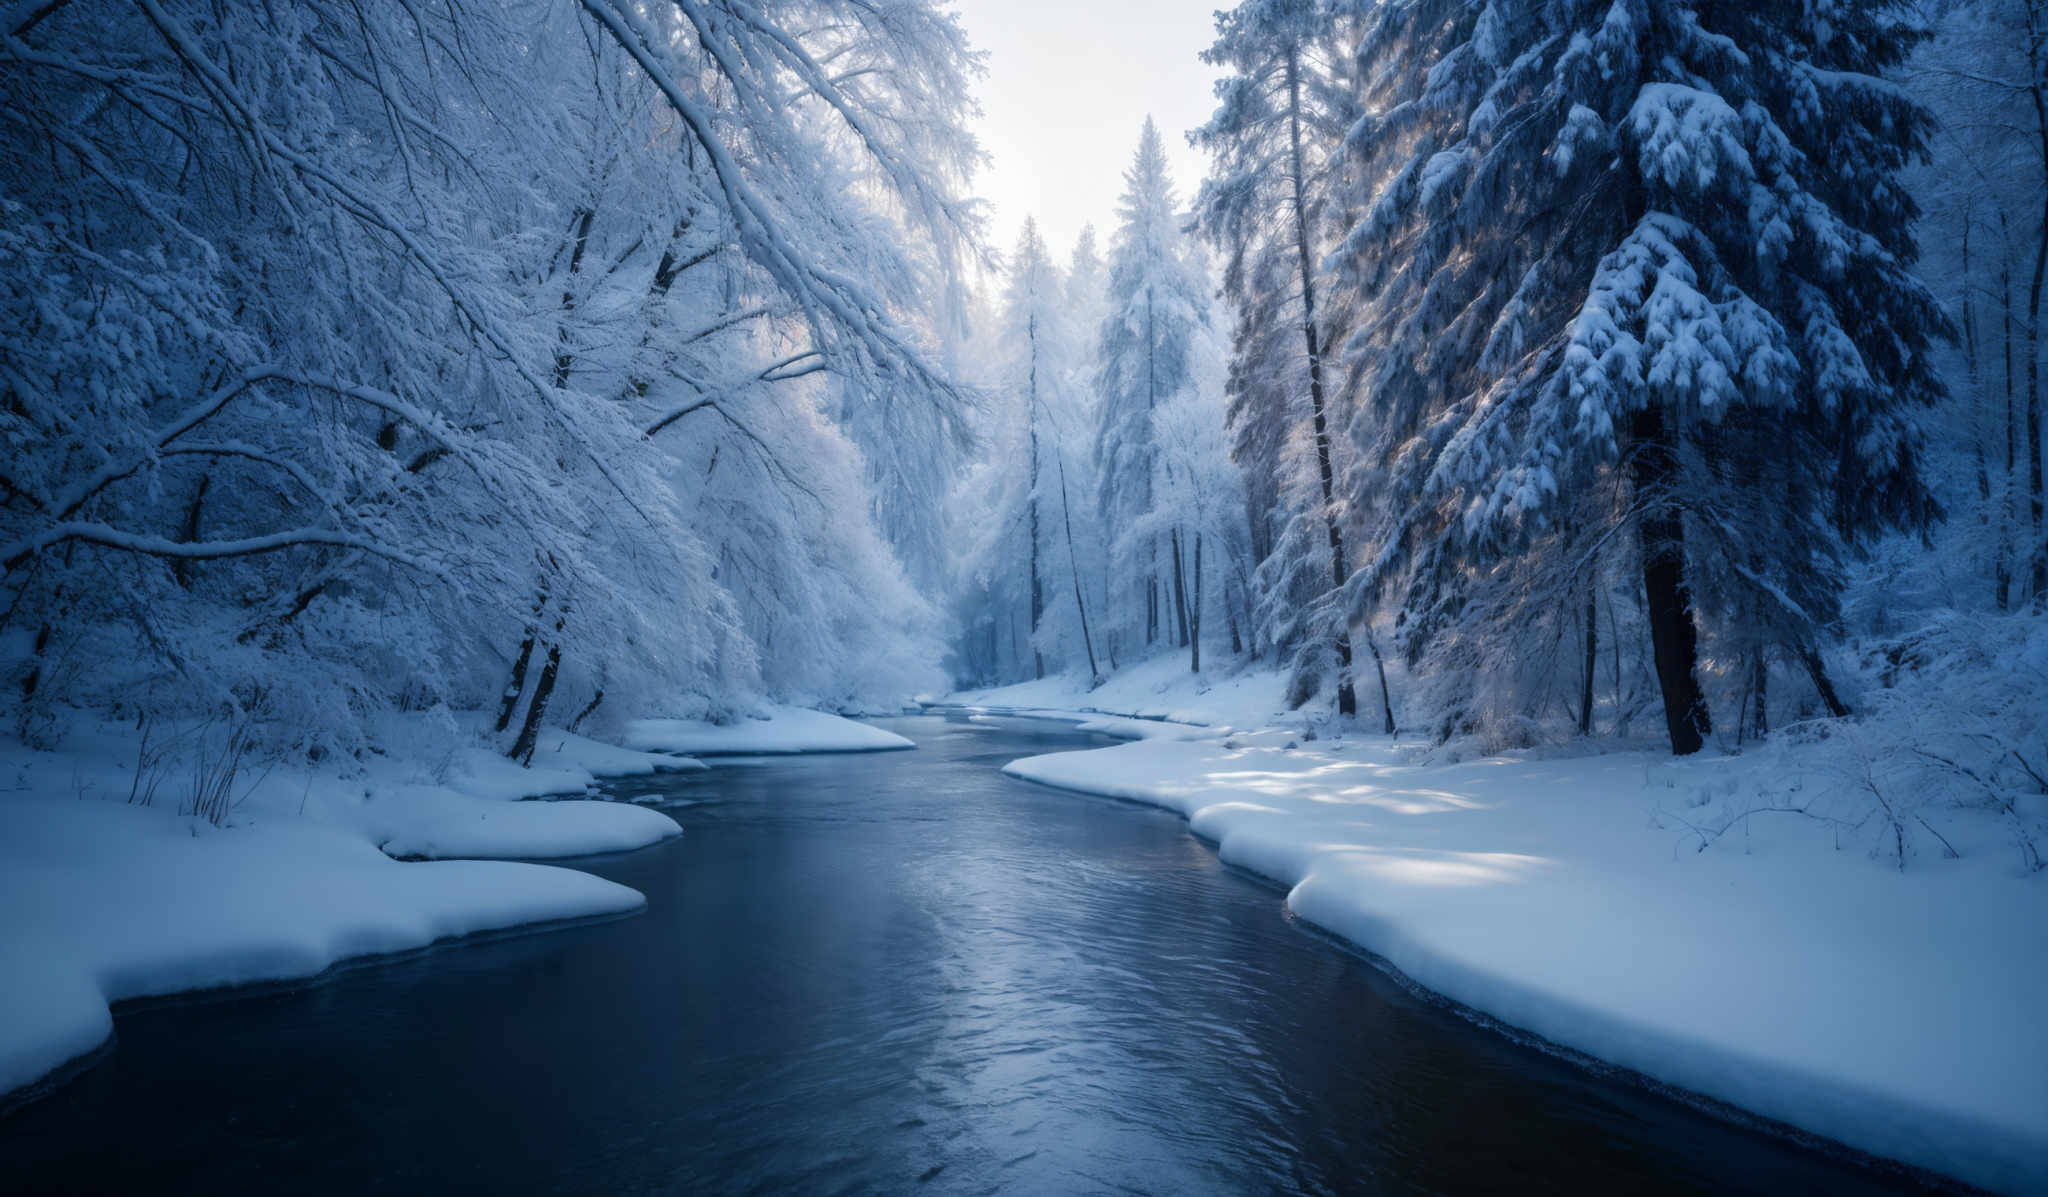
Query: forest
{"points": [[1572, 368], [488, 397]]}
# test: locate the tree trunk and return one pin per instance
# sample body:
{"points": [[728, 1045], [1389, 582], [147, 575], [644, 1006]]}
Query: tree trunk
{"points": [[1592, 659], [2006, 515], [1347, 697], [1180, 593], [564, 359], [544, 689], [2037, 38], [596, 700], [34, 677], [1817, 669], [1151, 402], [182, 570], [1973, 370], [1037, 590], [1195, 612], [1074, 565], [1674, 642], [1386, 698], [516, 688], [1761, 684]]}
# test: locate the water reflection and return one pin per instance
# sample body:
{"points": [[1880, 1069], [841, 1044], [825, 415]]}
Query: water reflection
{"points": [[870, 974]]}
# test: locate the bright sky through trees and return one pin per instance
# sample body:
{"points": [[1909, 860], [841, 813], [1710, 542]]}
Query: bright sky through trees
{"points": [[1069, 83]]}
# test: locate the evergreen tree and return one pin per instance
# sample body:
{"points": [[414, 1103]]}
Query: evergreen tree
{"points": [[1650, 252], [1158, 300], [1281, 116]]}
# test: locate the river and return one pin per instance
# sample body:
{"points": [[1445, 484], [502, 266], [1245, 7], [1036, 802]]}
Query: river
{"points": [[880, 973]]}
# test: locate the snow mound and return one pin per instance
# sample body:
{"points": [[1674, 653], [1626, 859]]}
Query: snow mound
{"points": [[437, 826], [102, 902], [783, 731], [1895, 1011]]}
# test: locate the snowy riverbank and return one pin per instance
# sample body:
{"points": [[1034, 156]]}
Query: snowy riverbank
{"points": [[775, 731], [1160, 689], [1785, 969], [108, 893]]}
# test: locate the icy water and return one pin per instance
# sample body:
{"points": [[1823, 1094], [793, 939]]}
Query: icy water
{"points": [[879, 974]]}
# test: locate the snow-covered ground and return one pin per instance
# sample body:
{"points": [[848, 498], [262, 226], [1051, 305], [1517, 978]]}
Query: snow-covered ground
{"points": [[108, 893], [778, 731], [1158, 689], [1791, 968], [103, 902]]}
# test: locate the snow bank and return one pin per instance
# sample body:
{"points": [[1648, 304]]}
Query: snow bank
{"points": [[410, 804], [782, 731], [102, 902], [108, 893], [1149, 691], [1894, 1011], [562, 764]]}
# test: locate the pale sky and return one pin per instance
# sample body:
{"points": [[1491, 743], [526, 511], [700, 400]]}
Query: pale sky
{"points": [[1069, 84]]}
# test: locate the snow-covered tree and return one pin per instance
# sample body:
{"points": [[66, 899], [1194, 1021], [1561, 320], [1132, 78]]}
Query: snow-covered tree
{"points": [[1983, 72], [1029, 568], [1198, 500], [1651, 251], [1159, 301], [363, 351], [1268, 203]]}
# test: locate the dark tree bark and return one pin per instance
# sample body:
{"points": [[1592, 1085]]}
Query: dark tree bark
{"points": [[1386, 697], [2037, 48], [564, 359], [1674, 641], [596, 700], [182, 570], [1592, 658], [1817, 669], [1347, 696], [543, 690], [2005, 563], [1761, 684], [1074, 566], [1180, 594], [520, 664], [34, 677]]}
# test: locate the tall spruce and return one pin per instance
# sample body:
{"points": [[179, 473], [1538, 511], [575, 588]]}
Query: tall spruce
{"points": [[1158, 300], [1649, 248], [1281, 114]]}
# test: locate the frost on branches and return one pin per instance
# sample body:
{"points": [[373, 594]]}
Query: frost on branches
{"points": [[1635, 312], [412, 355]]}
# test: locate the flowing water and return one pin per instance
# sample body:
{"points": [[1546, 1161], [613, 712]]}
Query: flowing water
{"points": [[880, 973]]}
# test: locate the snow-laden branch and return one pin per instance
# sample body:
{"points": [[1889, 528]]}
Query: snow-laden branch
{"points": [[209, 550]]}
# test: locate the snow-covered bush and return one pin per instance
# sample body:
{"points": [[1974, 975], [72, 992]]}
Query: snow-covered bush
{"points": [[1947, 756]]}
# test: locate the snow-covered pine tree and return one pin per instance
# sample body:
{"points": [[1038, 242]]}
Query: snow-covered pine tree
{"points": [[1653, 249], [1032, 331], [1198, 498], [1280, 120], [1031, 570], [1157, 301]]}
